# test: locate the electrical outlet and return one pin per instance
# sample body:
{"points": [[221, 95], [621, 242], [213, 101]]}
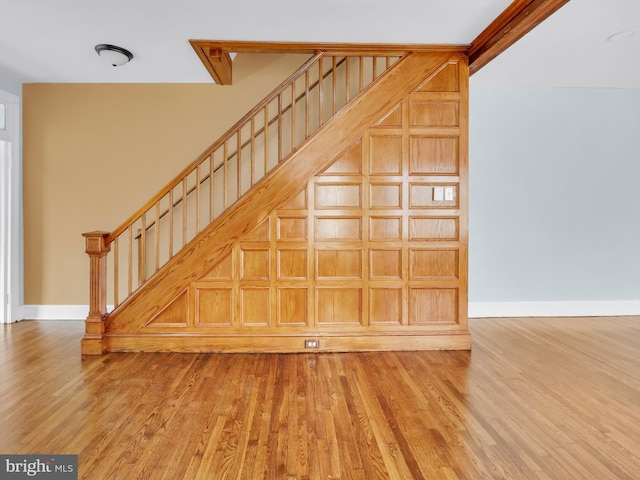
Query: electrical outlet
{"points": [[438, 194], [311, 343]]}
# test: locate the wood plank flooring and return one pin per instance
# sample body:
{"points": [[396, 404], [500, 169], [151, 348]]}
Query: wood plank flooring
{"points": [[535, 399]]}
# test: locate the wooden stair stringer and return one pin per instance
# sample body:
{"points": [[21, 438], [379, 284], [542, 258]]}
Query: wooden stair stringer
{"points": [[215, 242]]}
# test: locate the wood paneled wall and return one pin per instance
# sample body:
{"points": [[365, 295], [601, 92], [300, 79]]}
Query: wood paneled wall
{"points": [[362, 258]]}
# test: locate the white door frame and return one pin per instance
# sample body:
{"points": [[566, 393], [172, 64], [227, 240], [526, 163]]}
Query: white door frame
{"points": [[10, 212]]}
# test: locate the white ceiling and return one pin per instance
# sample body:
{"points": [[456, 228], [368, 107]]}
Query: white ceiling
{"points": [[53, 40], [570, 49]]}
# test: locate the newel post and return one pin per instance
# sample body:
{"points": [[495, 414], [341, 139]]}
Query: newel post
{"points": [[97, 248]]}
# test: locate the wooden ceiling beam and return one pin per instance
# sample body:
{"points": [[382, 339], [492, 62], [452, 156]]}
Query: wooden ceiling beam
{"points": [[511, 25]]}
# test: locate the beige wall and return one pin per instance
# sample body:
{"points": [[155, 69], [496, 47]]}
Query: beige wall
{"points": [[94, 153]]}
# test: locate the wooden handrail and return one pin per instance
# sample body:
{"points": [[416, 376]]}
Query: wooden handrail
{"points": [[191, 167]]}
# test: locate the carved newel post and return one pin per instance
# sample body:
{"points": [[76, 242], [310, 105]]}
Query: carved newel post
{"points": [[96, 246]]}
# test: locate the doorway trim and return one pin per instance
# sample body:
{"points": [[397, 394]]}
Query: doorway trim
{"points": [[10, 212]]}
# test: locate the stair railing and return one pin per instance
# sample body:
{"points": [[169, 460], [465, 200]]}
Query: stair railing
{"points": [[264, 137]]}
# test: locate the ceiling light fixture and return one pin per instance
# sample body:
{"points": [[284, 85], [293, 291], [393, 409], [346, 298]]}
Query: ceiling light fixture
{"points": [[116, 56]]}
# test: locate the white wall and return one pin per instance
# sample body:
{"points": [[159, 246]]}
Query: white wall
{"points": [[10, 85], [554, 195]]}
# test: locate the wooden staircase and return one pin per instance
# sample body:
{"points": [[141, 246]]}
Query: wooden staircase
{"points": [[315, 221]]}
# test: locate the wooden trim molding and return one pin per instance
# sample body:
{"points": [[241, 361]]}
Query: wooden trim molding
{"points": [[214, 54], [453, 340], [511, 25], [217, 62], [329, 48]]}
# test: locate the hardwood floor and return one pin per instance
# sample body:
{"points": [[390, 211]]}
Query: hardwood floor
{"points": [[535, 399]]}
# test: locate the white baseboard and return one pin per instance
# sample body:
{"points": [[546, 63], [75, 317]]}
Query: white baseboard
{"points": [[55, 312], [554, 309]]}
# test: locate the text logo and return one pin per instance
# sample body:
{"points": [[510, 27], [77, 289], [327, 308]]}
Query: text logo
{"points": [[49, 467]]}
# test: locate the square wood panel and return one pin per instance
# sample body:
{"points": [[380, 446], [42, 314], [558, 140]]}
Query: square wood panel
{"points": [[338, 195], [433, 113], [214, 307], [292, 264], [385, 264], [292, 229], [339, 305], [433, 305], [338, 264], [385, 228], [433, 264], [338, 228], [385, 195], [385, 305], [293, 306], [254, 264], [254, 306], [386, 155], [433, 155], [433, 228]]}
